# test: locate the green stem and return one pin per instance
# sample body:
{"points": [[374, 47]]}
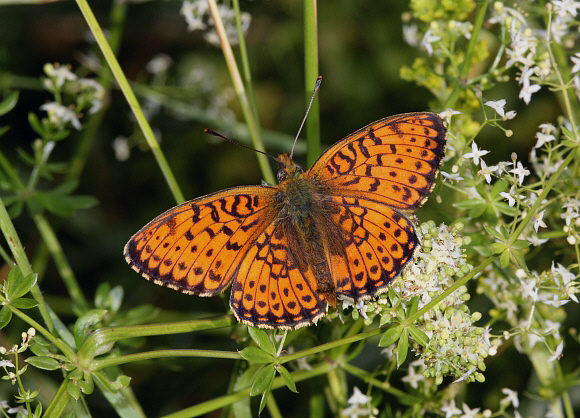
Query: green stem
{"points": [[21, 259], [59, 402], [329, 345], [131, 99], [311, 73], [464, 72], [241, 92], [129, 358], [220, 402], [108, 335], [246, 65], [62, 264]]}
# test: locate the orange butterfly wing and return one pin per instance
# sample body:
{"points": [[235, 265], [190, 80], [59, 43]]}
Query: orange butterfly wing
{"points": [[393, 161], [197, 247], [388, 165], [271, 290]]}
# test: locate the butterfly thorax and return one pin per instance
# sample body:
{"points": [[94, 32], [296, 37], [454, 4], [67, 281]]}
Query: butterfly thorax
{"points": [[304, 213]]}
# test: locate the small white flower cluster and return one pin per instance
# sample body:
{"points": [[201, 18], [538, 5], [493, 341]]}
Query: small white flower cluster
{"points": [[359, 405], [197, 16], [16, 350], [87, 92]]}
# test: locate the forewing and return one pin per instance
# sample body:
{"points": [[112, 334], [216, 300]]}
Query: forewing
{"points": [[379, 242], [394, 160], [271, 290], [197, 246]]}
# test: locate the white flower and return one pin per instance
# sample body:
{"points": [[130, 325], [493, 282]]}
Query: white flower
{"points": [[121, 148], [497, 105], [358, 397], [475, 154], [411, 34], [543, 138], [511, 398], [362, 308], [529, 289], [450, 409], [59, 73], [60, 115], [510, 115], [536, 241], [159, 64], [6, 363], [511, 200], [520, 171], [413, 378], [527, 91], [576, 61], [454, 176], [428, 39], [447, 113], [538, 221], [565, 7], [469, 413], [486, 171], [193, 12], [557, 353]]}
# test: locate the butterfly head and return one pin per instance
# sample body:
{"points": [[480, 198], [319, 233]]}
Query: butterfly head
{"points": [[288, 169]]}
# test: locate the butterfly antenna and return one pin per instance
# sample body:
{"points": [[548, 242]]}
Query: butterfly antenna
{"points": [[316, 86], [214, 133]]}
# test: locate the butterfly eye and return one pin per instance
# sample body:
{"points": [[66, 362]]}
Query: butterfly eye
{"points": [[281, 175]]}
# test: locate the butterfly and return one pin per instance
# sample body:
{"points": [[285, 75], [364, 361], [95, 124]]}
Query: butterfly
{"points": [[336, 231]]}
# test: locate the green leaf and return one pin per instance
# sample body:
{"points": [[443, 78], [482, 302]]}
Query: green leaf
{"points": [[499, 186], [505, 208], [22, 287], [504, 259], [102, 295], [86, 384], [402, 348], [8, 103], [263, 380], [264, 399], [521, 244], [24, 303], [414, 305], [35, 124], [418, 335], [38, 348], [242, 407], [477, 211], [5, 316], [391, 336], [287, 378], [256, 355], [13, 278], [43, 362], [83, 324], [262, 339], [73, 390], [497, 247], [468, 204]]}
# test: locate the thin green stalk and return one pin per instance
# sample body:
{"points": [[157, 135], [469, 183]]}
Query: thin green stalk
{"points": [[63, 347], [131, 99], [311, 73], [59, 402], [329, 345], [148, 355], [246, 66], [273, 407], [21, 259], [241, 92], [105, 336], [62, 264], [219, 402], [464, 72]]}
